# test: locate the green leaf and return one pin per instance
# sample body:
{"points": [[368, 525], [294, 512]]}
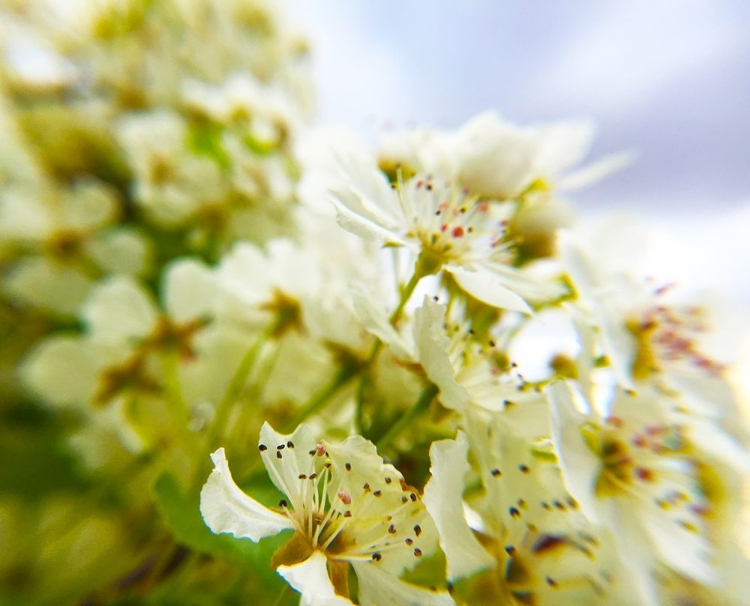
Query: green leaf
{"points": [[34, 440], [182, 517]]}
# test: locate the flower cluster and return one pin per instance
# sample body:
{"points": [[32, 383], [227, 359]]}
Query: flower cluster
{"points": [[477, 400]]}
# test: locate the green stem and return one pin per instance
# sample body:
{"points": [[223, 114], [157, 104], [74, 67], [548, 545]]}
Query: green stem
{"points": [[320, 399], [406, 293], [237, 383], [364, 382], [420, 406], [179, 408]]}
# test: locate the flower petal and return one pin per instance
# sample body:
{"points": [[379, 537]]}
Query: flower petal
{"points": [[496, 158], [189, 290], [225, 508], [591, 173], [374, 319], [488, 288], [120, 309], [286, 457], [579, 465], [432, 350], [122, 250], [310, 578], [56, 288], [62, 371], [377, 587], [443, 499]]}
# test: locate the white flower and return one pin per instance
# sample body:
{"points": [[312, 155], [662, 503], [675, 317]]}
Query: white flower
{"points": [[345, 506], [637, 475], [466, 372], [448, 227], [656, 340], [443, 499], [646, 327], [535, 545], [65, 239], [121, 355], [303, 286], [171, 182], [243, 101], [498, 159]]}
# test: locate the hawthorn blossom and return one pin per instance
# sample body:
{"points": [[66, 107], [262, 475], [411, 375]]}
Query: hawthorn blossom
{"points": [[121, 359], [61, 241], [499, 159], [344, 506], [448, 227], [657, 340], [635, 473], [525, 536]]}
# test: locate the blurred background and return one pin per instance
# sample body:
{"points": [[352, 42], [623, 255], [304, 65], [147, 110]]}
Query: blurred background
{"points": [[668, 80]]}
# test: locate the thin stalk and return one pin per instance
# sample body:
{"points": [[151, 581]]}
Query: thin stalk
{"points": [[319, 400], [178, 406], [420, 406], [237, 383], [406, 294]]}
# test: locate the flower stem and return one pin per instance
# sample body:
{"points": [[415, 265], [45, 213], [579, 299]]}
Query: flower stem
{"points": [[420, 406], [225, 405], [179, 407], [321, 398], [366, 379], [406, 294]]}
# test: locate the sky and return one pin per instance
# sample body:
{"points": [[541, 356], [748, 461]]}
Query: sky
{"points": [[669, 80]]}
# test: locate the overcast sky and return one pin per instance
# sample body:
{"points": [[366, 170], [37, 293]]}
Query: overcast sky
{"points": [[668, 79]]}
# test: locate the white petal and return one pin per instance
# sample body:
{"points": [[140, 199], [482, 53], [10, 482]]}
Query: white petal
{"points": [[713, 440], [120, 308], [496, 158], [705, 395], [89, 205], [244, 273], [605, 306], [689, 553], [225, 508], [190, 290], [286, 457], [561, 145], [489, 288], [432, 350], [443, 499], [579, 465], [366, 191], [121, 251], [374, 319], [359, 223], [53, 287], [377, 588], [62, 371], [637, 554], [310, 578], [597, 170]]}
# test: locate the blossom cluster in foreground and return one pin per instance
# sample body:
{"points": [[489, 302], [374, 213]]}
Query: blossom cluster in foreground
{"points": [[431, 384]]}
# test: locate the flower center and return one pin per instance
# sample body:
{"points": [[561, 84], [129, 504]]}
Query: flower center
{"points": [[332, 511], [667, 334], [452, 224]]}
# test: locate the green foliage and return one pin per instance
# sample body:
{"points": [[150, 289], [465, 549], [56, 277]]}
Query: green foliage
{"points": [[182, 517]]}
